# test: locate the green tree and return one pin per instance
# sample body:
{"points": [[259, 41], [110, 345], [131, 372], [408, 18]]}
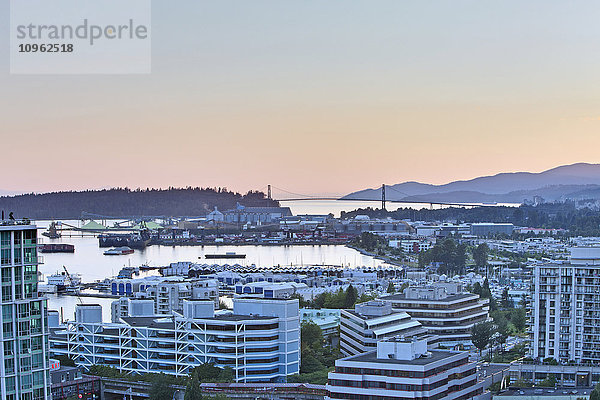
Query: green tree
{"points": [[208, 372], [192, 389], [391, 287], [65, 360], [311, 335], [404, 286], [481, 334], [226, 375], [595, 395], [161, 388], [506, 300], [550, 381], [519, 320], [309, 363], [301, 302], [480, 256], [501, 327], [351, 297]]}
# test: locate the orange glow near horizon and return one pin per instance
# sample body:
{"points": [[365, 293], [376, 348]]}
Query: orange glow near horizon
{"points": [[317, 101]]}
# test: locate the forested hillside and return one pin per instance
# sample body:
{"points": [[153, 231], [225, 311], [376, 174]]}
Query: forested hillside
{"points": [[125, 202], [579, 221]]}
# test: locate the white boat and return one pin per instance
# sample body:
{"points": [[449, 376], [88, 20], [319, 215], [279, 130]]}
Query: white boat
{"points": [[63, 282], [58, 281]]}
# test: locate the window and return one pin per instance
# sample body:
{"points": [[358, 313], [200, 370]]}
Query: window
{"points": [[7, 312], [36, 343], [8, 348], [9, 365], [10, 384], [6, 274], [24, 328], [7, 327], [36, 308], [17, 238], [17, 255], [18, 292], [23, 310], [37, 361], [25, 364], [25, 381], [30, 254], [38, 378], [30, 290], [6, 293], [25, 347], [5, 257]]}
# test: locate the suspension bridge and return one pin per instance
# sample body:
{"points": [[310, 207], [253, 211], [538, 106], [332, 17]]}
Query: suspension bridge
{"points": [[383, 200]]}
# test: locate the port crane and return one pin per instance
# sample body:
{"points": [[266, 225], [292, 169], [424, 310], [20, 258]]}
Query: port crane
{"points": [[71, 282]]}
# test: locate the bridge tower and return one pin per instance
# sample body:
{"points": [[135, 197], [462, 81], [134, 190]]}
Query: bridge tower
{"points": [[383, 196], [269, 193]]}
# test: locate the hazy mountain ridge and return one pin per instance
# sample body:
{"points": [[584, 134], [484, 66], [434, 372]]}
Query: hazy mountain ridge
{"points": [[576, 181]]}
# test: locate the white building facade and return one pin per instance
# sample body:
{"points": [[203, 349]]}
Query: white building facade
{"points": [[260, 340], [448, 316], [565, 309], [405, 369], [370, 322]]}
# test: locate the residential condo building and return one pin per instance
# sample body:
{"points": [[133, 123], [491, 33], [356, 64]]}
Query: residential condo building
{"points": [[25, 366], [564, 309]]}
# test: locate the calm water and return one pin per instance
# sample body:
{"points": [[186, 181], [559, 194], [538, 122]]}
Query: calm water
{"points": [[89, 260]]}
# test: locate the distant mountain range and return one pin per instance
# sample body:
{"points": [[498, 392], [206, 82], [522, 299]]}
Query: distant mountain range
{"points": [[576, 182]]}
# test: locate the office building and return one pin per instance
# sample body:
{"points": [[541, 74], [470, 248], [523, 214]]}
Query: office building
{"points": [[448, 316], [260, 340], [404, 369], [491, 229], [25, 367], [370, 322]]}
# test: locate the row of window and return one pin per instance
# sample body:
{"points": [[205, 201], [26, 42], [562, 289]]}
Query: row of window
{"points": [[399, 373]]}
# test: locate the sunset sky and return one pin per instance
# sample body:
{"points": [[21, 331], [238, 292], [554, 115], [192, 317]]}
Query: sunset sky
{"points": [[317, 97]]}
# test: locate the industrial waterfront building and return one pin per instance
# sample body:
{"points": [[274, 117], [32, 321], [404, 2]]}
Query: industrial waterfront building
{"points": [[448, 316], [25, 367], [259, 340], [405, 369], [370, 322]]}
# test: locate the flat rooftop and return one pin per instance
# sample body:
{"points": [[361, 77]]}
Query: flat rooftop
{"points": [[546, 392], [436, 355], [233, 317], [7, 224], [454, 297], [167, 321], [402, 314]]}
